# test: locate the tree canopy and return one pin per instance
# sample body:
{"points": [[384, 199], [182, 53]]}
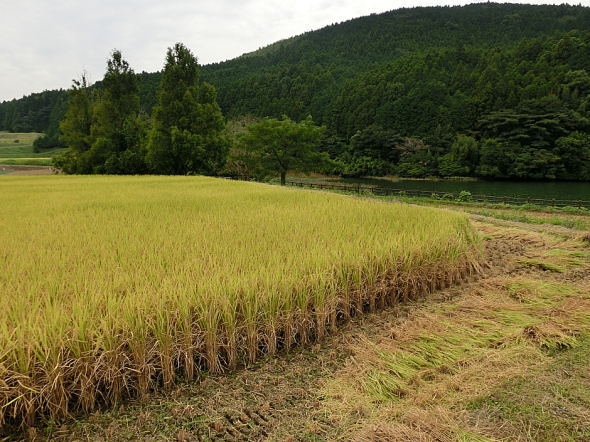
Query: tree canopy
{"points": [[106, 130], [187, 134], [404, 92], [283, 145], [102, 127]]}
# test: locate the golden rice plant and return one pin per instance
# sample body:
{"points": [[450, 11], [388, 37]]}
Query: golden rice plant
{"points": [[111, 287]]}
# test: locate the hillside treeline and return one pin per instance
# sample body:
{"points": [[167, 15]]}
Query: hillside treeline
{"points": [[514, 113], [488, 90], [304, 75]]}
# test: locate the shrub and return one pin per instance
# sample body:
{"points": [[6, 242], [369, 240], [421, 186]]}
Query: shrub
{"points": [[464, 196]]}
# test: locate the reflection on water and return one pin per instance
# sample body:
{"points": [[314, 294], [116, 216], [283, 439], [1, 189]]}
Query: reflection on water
{"points": [[525, 189]]}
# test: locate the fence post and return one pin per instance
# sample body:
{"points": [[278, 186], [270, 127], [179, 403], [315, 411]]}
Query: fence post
{"points": [[408, 192]]}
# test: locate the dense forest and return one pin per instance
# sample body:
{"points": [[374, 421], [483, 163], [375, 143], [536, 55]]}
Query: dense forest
{"points": [[513, 113], [490, 90]]}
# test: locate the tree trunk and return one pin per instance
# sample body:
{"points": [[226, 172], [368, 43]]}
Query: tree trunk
{"points": [[283, 177]]}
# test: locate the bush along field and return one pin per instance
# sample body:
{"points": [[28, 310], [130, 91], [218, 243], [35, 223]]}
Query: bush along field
{"points": [[115, 286]]}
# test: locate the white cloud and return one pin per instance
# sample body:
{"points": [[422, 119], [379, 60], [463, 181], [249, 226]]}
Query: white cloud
{"points": [[46, 43]]}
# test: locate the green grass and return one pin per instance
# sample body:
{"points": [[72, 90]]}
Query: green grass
{"points": [[523, 217], [513, 212], [496, 209], [546, 266], [18, 137], [577, 218], [548, 404], [441, 201], [25, 161], [502, 206]]}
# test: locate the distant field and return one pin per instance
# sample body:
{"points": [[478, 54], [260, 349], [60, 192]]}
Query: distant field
{"points": [[17, 148], [26, 161], [113, 286]]}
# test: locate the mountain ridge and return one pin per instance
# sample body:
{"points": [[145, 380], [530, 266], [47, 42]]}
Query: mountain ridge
{"points": [[303, 74]]}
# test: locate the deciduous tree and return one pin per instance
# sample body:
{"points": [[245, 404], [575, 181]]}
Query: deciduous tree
{"points": [[281, 145]]}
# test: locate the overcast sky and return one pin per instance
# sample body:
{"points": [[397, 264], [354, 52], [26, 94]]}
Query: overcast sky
{"points": [[44, 44]]}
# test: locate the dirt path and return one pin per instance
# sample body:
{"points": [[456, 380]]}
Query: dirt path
{"points": [[7, 169], [443, 368]]}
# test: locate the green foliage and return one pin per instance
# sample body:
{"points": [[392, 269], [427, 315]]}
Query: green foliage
{"points": [[34, 113], [464, 196], [494, 159], [76, 126], [512, 77], [103, 128], [376, 142], [308, 74], [117, 128], [118, 102], [106, 131], [45, 142], [417, 160], [359, 166], [574, 151], [281, 145], [512, 104], [372, 151], [534, 123], [187, 134], [462, 159]]}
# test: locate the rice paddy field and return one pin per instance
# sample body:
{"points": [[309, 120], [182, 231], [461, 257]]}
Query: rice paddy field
{"points": [[112, 287], [17, 149]]}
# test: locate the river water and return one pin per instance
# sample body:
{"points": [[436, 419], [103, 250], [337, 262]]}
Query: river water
{"points": [[519, 189]]}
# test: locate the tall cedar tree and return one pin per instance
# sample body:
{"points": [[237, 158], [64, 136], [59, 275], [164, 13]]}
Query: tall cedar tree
{"points": [[187, 134], [117, 127], [76, 126], [102, 128], [283, 145]]}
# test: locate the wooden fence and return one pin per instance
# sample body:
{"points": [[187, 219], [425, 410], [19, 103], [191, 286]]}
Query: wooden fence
{"points": [[450, 196], [389, 191]]}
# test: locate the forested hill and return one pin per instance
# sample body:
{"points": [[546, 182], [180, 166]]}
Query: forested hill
{"points": [[513, 78], [304, 74]]}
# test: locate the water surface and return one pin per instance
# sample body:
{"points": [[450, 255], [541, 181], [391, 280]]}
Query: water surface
{"points": [[563, 190]]}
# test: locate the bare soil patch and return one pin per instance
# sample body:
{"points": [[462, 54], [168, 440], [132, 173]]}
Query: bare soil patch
{"points": [[26, 170]]}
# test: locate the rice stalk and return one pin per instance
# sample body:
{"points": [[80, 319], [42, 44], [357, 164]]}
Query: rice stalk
{"points": [[113, 287]]}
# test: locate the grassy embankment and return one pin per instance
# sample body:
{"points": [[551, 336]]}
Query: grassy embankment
{"points": [[17, 149], [577, 218], [566, 216], [114, 286]]}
